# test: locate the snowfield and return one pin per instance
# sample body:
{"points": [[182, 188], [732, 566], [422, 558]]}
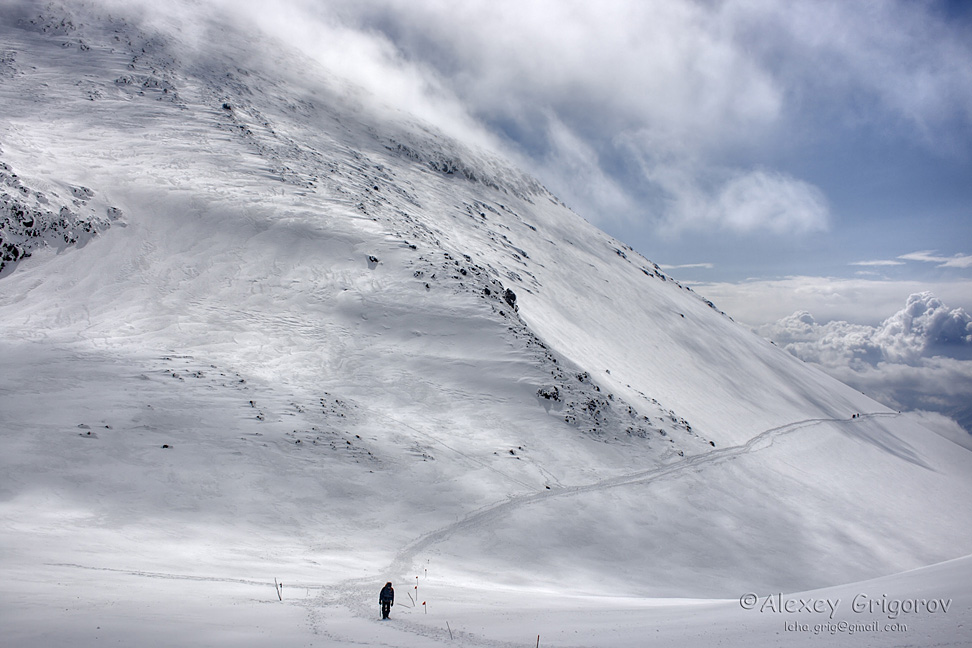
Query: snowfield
{"points": [[256, 330]]}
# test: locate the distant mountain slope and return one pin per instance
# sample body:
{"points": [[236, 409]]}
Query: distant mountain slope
{"points": [[329, 339], [207, 125]]}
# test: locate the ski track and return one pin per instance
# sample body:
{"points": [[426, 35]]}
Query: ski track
{"points": [[407, 555], [357, 596], [188, 577]]}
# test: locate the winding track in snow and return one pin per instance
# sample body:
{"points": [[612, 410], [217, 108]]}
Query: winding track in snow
{"points": [[357, 594], [406, 556]]}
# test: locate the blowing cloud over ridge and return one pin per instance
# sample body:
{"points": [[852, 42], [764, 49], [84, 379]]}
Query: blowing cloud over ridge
{"points": [[744, 139], [685, 115], [751, 144], [678, 106]]}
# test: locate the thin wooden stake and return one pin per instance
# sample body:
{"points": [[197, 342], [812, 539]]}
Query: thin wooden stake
{"points": [[278, 588], [450, 631]]}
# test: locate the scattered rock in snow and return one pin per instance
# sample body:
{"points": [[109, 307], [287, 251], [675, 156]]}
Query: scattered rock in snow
{"points": [[510, 298]]}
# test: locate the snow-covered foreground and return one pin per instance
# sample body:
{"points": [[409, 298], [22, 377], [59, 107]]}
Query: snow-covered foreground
{"points": [[96, 607], [266, 333], [109, 535]]}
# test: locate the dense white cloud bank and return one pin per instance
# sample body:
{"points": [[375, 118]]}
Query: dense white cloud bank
{"points": [[919, 358], [859, 300]]}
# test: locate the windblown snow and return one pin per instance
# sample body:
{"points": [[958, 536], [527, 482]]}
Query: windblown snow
{"points": [[257, 330]]}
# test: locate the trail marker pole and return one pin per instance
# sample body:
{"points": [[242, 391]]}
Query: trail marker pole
{"points": [[450, 632], [278, 587]]}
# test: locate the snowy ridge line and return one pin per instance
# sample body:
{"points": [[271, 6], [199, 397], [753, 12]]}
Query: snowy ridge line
{"points": [[406, 556], [186, 577]]}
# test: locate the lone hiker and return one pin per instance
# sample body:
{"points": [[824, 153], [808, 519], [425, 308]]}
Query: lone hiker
{"points": [[386, 599]]}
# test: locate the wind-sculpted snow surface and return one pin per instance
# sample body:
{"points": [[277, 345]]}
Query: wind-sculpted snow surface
{"points": [[334, 347]]}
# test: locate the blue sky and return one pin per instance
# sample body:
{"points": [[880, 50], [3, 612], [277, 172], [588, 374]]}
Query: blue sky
{"points": [[748, 145]]}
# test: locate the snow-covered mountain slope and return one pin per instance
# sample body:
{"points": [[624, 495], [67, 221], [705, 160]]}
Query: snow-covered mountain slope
{"points": [[256, 326]]}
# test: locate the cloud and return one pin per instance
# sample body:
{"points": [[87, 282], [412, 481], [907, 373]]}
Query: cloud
{"points": [[365, 66], [571, 168], [878, 263], [755, 201], [924, 328], [663, 111], [686, 266], [650, 92], [833, 344], [918, 358], [678, 101], [894, 61], [856, 300], [397, 86], [929, 256], [770, 201], [942, 385], [666, 65]]}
